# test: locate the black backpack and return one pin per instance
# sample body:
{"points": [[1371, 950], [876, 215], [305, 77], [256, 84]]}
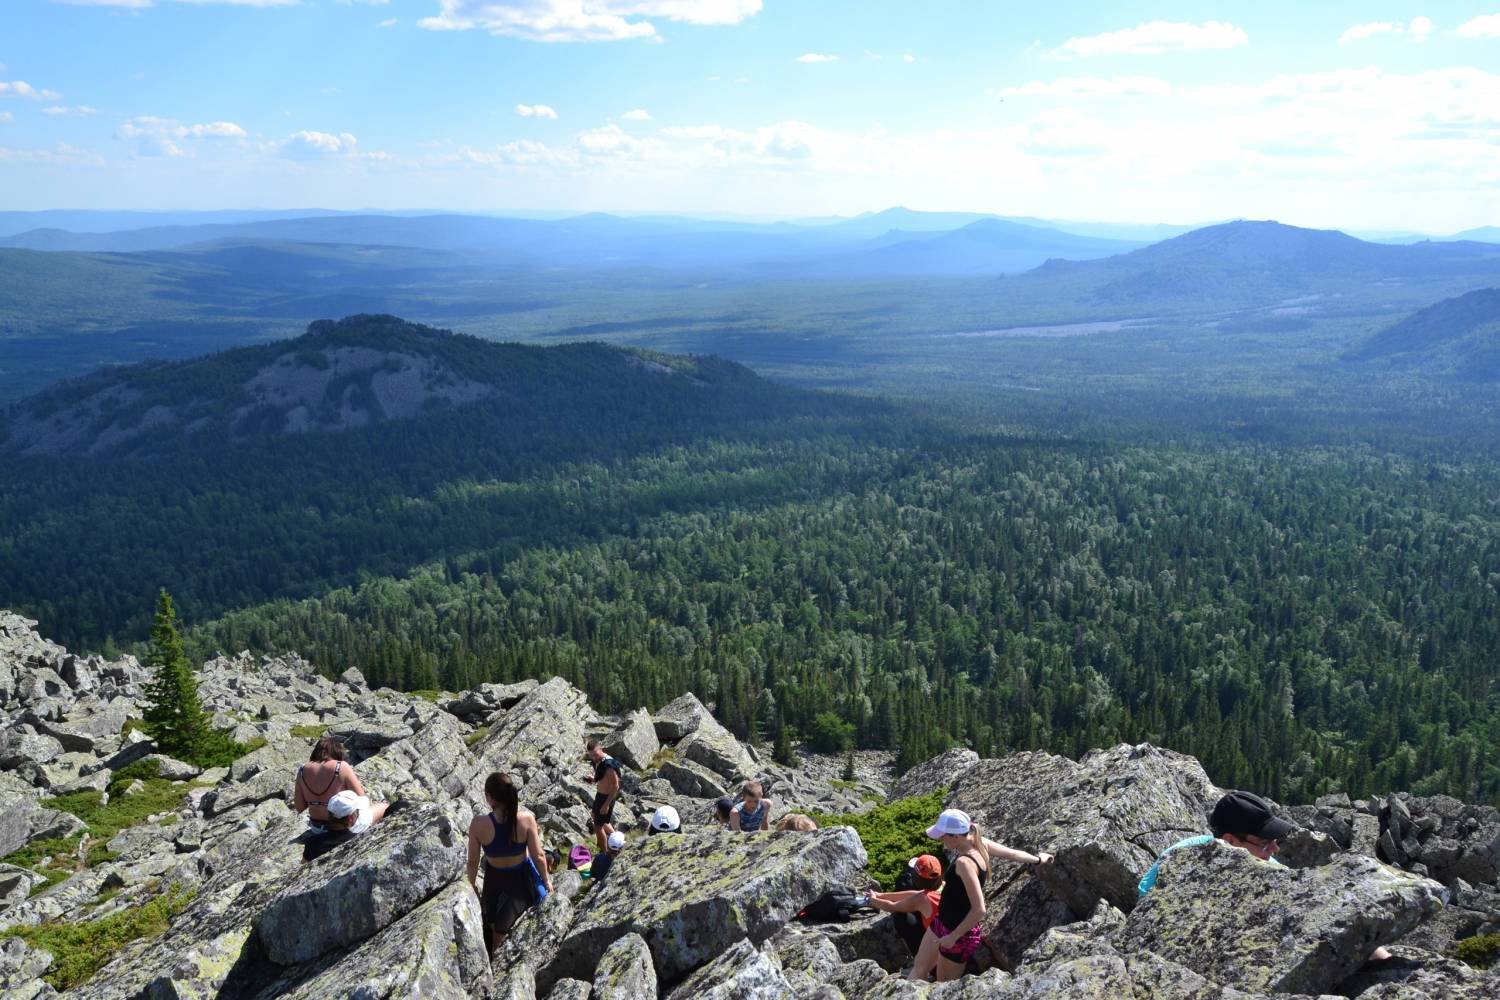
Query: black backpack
{"points": [[834, 906]]}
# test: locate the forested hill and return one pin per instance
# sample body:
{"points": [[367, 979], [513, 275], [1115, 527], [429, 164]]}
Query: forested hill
{"points": [[1460, 336], [353, 373]]}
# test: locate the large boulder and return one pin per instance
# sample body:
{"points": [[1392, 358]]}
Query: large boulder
{"points": [[21, 968], [539, 740], [680, 718], [1240, 921], [634, 743], [1105, 818], [715, 748], [692, 896], [929, 776], [625, 971], [351, 893], [743, 972], [432, 764], [24, 819]]}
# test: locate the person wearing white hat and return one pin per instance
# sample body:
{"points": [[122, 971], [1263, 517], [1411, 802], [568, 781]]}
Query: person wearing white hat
{"points": [[954, 934], [665, 820], [599, 870]]}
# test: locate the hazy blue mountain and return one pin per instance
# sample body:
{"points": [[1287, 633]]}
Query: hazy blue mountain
{"points": [[92, 221], [987, 246], [1484, 234], [1458, 336]]}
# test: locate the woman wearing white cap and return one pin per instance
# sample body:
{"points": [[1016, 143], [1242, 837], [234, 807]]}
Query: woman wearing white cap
{"points": [[954, 935]]}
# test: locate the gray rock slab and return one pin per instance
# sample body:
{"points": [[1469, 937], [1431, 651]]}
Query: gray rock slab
{"points": [[743, 972], [635, 742], [929, 776], [625, 971]]}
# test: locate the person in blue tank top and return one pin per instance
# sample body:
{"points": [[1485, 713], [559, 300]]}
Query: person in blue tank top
{"points": [[753, 812], [515, 868]]}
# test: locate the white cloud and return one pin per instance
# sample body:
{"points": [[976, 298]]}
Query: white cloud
{"points": [[1484, 26], [161, 136], [1091, 86], [1417, 29], [20, 88], [908, 57], [535, 111], [1370, 29], [583, 20], [389, 22], [136, 4], [81, 111], [1156, 37], [816, 57], [306, 144], [637, 115], [6, 118]]}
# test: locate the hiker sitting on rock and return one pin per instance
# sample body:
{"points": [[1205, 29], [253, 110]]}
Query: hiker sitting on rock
{"points": [[797, 823], [914, 901], [599, 869], [515, 869], [606, 781], [753, 812], [327, 776], [954, 935], [1239, 819]]}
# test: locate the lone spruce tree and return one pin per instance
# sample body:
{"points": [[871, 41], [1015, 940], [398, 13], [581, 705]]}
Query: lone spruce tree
{"points": [[175, 718]]}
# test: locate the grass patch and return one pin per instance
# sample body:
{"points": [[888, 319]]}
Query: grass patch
{"points": [[80, 949], [476, 736], [1480, 951], [312, 732], [893, 833], [427, 694], [661, 757]]}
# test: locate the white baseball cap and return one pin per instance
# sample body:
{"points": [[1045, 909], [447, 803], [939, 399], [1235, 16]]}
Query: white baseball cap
{"points": [[616, 841], [666, 820], [950, 823], [345, 803]]}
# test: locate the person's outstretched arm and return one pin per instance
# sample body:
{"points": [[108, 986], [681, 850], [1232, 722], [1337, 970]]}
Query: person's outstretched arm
{"points": [[905, 901], [999, 850], [299, 800]]}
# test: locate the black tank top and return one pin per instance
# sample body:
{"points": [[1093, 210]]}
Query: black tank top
{"points": [[954, 904]]}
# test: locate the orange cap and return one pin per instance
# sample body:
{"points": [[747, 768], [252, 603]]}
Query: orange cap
{"points": [[927, 866]]}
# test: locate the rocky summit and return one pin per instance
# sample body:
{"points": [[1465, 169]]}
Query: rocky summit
{"points": [[162, 880]]}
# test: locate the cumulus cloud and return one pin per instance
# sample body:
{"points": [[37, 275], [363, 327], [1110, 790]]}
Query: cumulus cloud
{"points": [[637, 115], [161, 136], [60, 155], [20, 88], [1484, 26], [1417, 29], [816, 57], [1156, 37], [389, 22], [583, 20], [908, 57], [535, 111], [81, 111], [308, 144], [6, 118]]}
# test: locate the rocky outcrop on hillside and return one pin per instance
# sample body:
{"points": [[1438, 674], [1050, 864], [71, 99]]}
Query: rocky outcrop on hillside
{"points": [[699, 914]]}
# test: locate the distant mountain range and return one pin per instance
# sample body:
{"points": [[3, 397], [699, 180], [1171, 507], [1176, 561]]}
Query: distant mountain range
{"points": [[1459, 336]]}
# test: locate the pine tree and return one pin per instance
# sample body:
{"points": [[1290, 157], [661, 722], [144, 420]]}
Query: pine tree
{"points": [[849, 767], [781, 750], [175, 718]]}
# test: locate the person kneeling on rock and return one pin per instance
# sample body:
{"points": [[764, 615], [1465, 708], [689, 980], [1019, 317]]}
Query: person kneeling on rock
{"points": [[954, 934], [516, 877], [599, 869], [914, 901]]}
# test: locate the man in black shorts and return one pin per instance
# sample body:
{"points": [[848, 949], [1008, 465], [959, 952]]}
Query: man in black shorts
{"points": [[606, 781]]}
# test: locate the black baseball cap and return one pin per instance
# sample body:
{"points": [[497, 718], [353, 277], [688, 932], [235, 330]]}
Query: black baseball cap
{"points": [[1242, 813]]}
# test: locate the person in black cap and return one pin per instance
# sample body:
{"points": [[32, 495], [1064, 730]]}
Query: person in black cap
{"points": [[1240, 819]]}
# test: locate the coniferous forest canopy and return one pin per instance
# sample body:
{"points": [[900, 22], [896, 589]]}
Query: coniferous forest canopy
{"points": [[1219, 534]]}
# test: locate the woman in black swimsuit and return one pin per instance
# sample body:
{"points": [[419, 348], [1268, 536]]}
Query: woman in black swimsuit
{"points": [[515, 869]]}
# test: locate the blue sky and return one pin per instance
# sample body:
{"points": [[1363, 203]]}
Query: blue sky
{"points": [[1360, 115]]}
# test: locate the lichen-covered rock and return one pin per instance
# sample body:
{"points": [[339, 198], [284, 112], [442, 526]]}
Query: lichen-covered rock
{"points": [[23, 818], [635, 742], [483, 703], [741, 973], [534, 939], [570, 989], [1019, 909], [1413, 974], [1105, 818], [941, 771], [517, 984], [21, 968], [349, 894], [16, 884], [864, 980], [693, 780], [807, 957], [716, 749], [19, 747], [625, 971], [693, 895], [680, 718], [1075, 940], [435, 952], [1257, 926], [871, 936]]}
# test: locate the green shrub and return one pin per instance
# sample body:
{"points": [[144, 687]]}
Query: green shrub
{"points": [[427, 694], [1480, 951], [830, 734], [476, 736], [312, 732], [81, 949], [893, 833]]}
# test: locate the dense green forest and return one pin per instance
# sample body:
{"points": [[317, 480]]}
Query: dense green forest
{"points": [[1301, 616]]}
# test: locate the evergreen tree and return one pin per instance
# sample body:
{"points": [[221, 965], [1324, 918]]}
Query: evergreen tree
{"points": [[175, 718], [781, 750], [849, 767]]}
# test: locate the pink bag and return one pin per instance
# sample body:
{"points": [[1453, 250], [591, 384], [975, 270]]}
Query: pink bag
{"points": [[579, 856]]}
